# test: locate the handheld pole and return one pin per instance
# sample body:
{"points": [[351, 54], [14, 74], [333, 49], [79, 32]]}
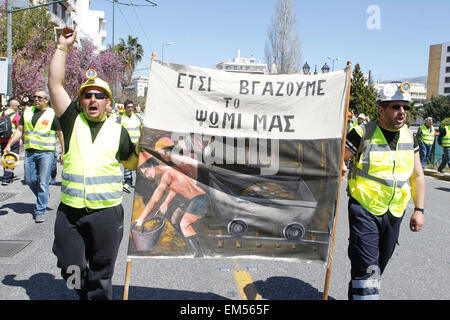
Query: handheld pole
{"points": [[127, 280], [344, 134]]}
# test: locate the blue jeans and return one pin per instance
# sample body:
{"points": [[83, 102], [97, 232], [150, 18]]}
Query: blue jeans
{"points": [[445, 159], [425, 152], [38, 168]]}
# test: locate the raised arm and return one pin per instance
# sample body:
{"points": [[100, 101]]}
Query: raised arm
{"points": [[58, 96]]}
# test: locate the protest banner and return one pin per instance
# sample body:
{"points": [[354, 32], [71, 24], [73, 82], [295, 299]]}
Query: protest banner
{"points": [[238, 164]]}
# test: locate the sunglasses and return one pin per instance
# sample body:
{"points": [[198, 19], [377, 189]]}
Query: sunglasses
{"points": [[398, 106], [38, 97], [97, 95]]}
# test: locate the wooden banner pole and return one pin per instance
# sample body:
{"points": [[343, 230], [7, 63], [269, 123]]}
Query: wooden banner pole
{"points": [[127, 280], [344, 134]]}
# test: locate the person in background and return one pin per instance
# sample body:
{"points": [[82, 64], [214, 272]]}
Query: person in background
{"points": [[13, 113], [425, 135], [444, 141], [133, 125], [40, 127]]}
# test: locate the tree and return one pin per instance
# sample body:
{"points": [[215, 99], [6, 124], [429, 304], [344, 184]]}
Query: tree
{"points": [[363, 96], [438, 108], [30, 67], [132, 51], [284, 47], [25, 24]]}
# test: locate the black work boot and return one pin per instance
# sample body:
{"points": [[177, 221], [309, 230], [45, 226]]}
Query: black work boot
{"points": [[193, 242]]}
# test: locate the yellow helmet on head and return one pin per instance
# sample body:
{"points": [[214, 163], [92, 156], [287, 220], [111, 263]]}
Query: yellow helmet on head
{"points": [[94, 81], [10, 160]]}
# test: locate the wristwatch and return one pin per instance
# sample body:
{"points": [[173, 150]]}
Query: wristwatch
{"points": [[418, 209]]}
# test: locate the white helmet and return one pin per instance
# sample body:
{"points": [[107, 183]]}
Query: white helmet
{"points": [[362, 116], [395, 91]]}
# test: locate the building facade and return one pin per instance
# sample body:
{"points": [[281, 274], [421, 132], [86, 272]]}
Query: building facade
{"points": [[138, 86], [438, 81], [77, 13], [243, 65]]}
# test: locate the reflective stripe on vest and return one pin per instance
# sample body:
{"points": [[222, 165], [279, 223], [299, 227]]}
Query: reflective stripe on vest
{"points": [[380, 180], [426, 136], [39, 137], [446, 139], [133, 126], [92, 177]]}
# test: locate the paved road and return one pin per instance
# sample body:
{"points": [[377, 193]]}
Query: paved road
{"points": [[418, 270]]}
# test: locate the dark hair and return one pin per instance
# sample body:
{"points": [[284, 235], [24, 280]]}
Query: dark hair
{"points": [[128, 102], [151, 162], [383, 104]]}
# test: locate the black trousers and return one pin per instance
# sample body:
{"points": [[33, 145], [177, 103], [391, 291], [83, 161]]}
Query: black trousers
{"points": [[371, 244], [86, 245]]}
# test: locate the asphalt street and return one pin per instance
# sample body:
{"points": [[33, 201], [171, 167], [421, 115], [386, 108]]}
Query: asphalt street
{"points": [[419, 269]]}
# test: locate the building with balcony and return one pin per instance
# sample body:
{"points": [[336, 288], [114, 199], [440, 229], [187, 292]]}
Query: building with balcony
{"points": [[77, 13], [243, 65], [438, 81], [138, 86]]}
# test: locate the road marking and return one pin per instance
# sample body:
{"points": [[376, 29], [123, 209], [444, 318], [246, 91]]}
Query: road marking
{"points": [[245, 285]]}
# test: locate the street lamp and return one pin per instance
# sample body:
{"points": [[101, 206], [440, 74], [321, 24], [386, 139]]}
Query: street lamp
{"points": [[162, 49], [333, 60], [306, 68], [325, 68]]}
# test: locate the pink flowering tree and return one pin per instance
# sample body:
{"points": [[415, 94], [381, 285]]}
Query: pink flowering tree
{"points": [[30, 66]]}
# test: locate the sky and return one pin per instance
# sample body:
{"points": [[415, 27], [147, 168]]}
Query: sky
{"points": [[391, 38]]}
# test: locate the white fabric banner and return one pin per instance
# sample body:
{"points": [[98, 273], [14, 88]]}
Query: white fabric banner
{"points": [[218, 103]]}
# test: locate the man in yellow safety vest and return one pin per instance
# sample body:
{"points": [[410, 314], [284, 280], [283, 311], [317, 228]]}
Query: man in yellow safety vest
{"points": [[385, 157], [89, 222], [444, 141], [425, 135], [40, 127], [132, 124]]}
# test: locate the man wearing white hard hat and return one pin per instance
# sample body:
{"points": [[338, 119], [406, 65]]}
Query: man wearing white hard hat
{"points": [[385, 158], [361, 119], [89, 222]]}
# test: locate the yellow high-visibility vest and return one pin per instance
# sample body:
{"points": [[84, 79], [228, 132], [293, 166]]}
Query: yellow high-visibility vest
{"points": [[379, 178], [426, 136], [39, 137], [91, 176], [446, 139], [133, 126]]}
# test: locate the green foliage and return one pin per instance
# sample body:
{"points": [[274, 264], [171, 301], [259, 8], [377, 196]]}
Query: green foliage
{"points": [[362, 95], [25, 24], [445, 122], [413, 113], [438, 108], [131, 50]]}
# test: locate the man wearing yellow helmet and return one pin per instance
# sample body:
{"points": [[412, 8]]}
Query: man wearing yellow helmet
{"points": [[89, 222]]}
